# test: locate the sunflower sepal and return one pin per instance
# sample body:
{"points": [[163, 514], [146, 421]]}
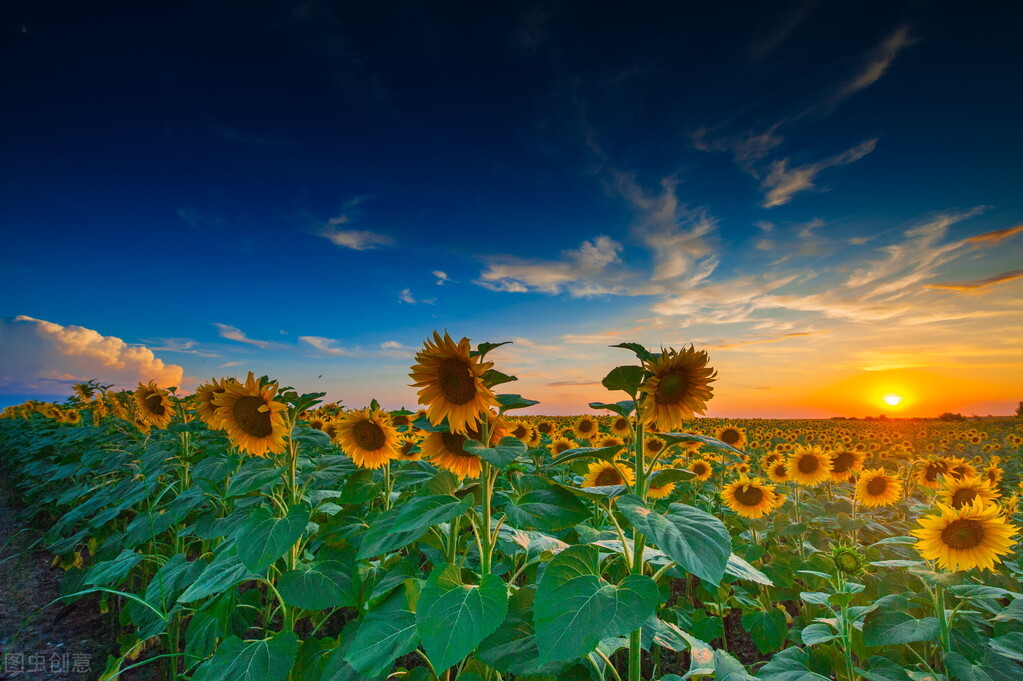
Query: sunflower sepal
{"points": [[499, 456]]}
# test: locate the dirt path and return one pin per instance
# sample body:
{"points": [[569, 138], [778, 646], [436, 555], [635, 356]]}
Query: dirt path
{"points": [[60, 643]]}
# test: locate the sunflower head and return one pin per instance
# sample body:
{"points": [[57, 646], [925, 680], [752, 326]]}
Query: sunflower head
{"points": [[848, 559], [660, 491], [778, 471], [408, 447], [750, 498], [154, 405], [561, 444], [809, 465], [451, 384], [677, 389], [732, 435], [254, 421], [620, 426], [875, 487], [974, 536], [653, 445], [368, 437], [959, 492], [608, 473], [845, 463], [585, 428], [702, 469], [204, 405], [447, 450]]}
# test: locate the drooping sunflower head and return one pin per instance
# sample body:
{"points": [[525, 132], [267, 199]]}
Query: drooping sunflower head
{"points": [[585, 427], [960, 468], [446, 450], [451, 383], [254, 421], [607, 474], [973, 536], [875, 487], [809, 465], [750, 498], [702, 469], [958, 493], [845, 463], [368, 437], [732, 435], [153, 405], [678, 389], [204, 405], [560, 445]]}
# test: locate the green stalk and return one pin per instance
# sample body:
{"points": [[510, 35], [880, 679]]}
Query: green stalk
{"points": [[639, 542]]}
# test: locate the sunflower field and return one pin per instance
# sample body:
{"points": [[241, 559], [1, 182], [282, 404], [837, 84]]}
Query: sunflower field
{"points": [[249, 532]]}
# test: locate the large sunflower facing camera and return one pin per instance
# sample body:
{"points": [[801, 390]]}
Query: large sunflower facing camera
{"points": [[678, 389], [254, 421], [451, 383]]}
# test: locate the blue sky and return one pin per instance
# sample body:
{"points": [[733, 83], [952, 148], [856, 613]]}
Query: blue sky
{"points": [[816, 193]]}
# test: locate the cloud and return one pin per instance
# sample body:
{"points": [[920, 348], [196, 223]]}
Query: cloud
{"points": [[182, 345], [995, 236], [357, 240], [392, 345], [236, 334], [976, 283], [325, 345], [442, 277], [226, 365], [782, 182], [876, 64], [580, 272], [787, 336], [34, 352]]}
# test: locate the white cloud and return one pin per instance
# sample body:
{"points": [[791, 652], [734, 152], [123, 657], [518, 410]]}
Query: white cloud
{"points": [[234, 333], [580, 272], [34, 352], [392, 345], [325, 345], [876, 64], [782, 182], [357, 240], [442, 277], [226, 365]]}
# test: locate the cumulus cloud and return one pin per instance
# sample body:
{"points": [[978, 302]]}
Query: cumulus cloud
{"points": [[34, 352], [579, 271], [783, 182]]}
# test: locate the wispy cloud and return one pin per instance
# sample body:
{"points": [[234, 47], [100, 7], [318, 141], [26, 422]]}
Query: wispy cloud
{"points": [[182, 345], [356, 239], [876, 63], [975, 284], [326, 346], [787, 336], [783, 182], [227, 365], [995, 236], [442, 277], [580, 272], [234, 333]]}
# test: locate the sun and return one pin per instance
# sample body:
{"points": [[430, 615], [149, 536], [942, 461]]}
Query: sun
{"points": [[892, 400]]}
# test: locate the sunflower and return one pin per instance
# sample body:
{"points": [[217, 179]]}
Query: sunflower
{"points": [[810, 466], [958, 493], [660, 491], [930, 471], [608, 441], [368, 437], [204, 406], [407, 449], [875, 487], [606, 473], [585, 428], [254, 421], [620, 426], [653, 445], [401, 418], [545, 428], [446, 450], [778, 471], [731, 435], [749, 497], [154, 405], [451, 383], [678, 389], [993, 473], [960, 468], [960, 539], [561, 444], [844, 464], [521, 430], [702, 468]]}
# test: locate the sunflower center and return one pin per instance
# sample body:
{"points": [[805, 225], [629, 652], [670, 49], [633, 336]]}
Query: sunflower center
{"points": [[877, 486], [519, 432], [842, 462], [655, 446], [730, 436], [621, 424], [544, 428], [931, 472], [585, 426], [453, 443], [808, 464], [457, 381], [608, 476], [700, 468], [749, 495], [963, 497], [400, 420], [672, 387], [560, 447], [368, 435], [406, 448], [248, 417], [963, 534], [155, 404], [780, 470]]}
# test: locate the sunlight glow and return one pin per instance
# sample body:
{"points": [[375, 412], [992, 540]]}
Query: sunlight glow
{"points": [[892, 399]]}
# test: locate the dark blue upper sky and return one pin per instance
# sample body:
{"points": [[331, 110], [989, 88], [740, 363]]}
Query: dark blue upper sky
{"points": [[297, 171]]}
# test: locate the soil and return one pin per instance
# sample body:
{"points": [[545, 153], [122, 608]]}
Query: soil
{"points": [[59, 642]]}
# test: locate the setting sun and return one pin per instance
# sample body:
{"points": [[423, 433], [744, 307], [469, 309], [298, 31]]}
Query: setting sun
{"points": [[892, 399]]}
